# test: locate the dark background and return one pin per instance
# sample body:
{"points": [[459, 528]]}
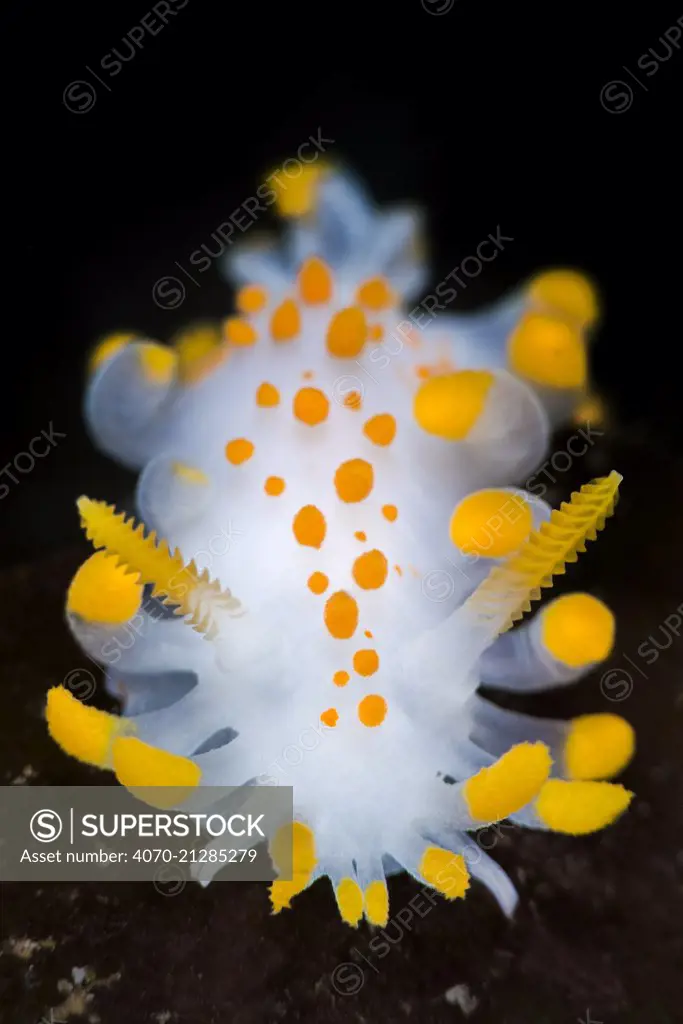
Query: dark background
{"points": [[486, 115]]}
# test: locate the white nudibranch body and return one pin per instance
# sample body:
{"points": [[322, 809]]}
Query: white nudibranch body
{"points": [[334, 494]]}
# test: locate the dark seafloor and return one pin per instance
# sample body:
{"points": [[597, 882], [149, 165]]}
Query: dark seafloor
{"points": [[598, 936]]}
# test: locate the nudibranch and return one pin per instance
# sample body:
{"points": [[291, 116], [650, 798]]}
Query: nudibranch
{"points": [[330, 502]]}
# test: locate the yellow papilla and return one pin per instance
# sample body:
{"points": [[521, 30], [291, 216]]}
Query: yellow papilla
{"points": [[103, 591], [282, 893], [350, 901], [285, 322], [153, 775], [300, 840], [296, 191], [509, 784], [577, 629], [157, 362], [315, 282], [239, 331], [347, 333], [375, 293], [377, 903], [293, 843], [199, 349], [197, 341], [577, 808], [106, 348], [83, 732], [548, 351], [450, 405], [251, 298], [190, 474], [565, 293], [445, 871], [491, 523], [598, 746]]}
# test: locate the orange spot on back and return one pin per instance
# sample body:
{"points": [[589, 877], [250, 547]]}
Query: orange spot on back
{"points": [[318, 582], [330, 717], [399, 570], [366, 662], [341, 615], [309, 526], [311, 406], [353, 480], [375, 332], [353, 400], [368, 634], [375, 294], [360, 535], [307, 375], [267, 395], [251, 299], [285, 322], [372, 710], [370, 570], [274, 486], [315, 282], [340, 678], [239, 450], [390, 512], [381, 429], [346, 333], [239, 331]]}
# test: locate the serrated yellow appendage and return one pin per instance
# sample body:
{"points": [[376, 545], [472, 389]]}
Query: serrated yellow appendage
{"points": [[509, 589], [195, 594]]}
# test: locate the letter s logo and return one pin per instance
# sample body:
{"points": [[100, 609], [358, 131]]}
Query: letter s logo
{"points": [[46, 826]]}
